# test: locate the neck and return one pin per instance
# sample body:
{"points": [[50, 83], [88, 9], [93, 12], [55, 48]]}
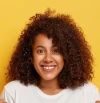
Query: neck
{"points": [[50, 87], [49, 84]]}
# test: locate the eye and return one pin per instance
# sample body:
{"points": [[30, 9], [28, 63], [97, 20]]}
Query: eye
{"points": [[40, 51], [55, 51]]}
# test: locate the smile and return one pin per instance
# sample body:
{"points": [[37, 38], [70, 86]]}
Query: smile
{"points": [[48, 68]]}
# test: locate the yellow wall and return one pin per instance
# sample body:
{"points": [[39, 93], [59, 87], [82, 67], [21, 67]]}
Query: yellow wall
{"points": [[14, 15]]}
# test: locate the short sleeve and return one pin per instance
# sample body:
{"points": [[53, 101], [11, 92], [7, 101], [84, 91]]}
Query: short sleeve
{"points": [[6, 96], [94, 97]]}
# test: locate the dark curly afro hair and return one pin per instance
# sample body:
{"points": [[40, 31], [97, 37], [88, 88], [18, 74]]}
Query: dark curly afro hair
{"points": [[67, 36]]}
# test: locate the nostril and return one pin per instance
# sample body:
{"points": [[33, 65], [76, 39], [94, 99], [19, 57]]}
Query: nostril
{"points": [[48, 59]]}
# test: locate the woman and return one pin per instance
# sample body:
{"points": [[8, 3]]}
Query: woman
{"points": [[52, 62]]}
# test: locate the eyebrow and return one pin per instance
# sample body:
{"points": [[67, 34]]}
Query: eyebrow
{"points": [[44, 47], [39, 47]]}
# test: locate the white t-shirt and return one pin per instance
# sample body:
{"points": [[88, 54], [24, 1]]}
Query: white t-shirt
{"points": [[15, 92]]}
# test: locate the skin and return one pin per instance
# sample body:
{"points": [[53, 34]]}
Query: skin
{"points": [[44, 54], [48, 62], [2, 101], [97, 102]]}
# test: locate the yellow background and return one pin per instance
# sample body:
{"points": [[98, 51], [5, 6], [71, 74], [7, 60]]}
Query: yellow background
{"points": [[14, 14]]}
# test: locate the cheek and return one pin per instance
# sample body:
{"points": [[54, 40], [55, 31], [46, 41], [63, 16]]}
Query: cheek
{"points": [[36, 61], [37, 58], [59, 60]]}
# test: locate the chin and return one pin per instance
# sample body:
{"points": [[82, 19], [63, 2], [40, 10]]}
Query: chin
{"points": [[48, 78]]}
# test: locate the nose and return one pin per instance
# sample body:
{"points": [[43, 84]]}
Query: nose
{"points": [[48, 58]]}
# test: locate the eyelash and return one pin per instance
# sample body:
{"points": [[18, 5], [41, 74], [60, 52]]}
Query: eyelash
{"points": [[42, 51], [56, 51], [39, 51]]}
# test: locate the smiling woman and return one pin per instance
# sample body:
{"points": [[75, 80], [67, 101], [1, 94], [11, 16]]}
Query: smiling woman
{"points": [[52, 63], [47, 61]]}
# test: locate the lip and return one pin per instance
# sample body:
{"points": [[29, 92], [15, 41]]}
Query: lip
{"points": [[48, 68]]}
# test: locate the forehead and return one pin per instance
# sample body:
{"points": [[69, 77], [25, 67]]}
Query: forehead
{"points": [[42, 39]]}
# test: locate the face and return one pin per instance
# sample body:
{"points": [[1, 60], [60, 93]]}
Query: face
{"points": [[47, 60]]}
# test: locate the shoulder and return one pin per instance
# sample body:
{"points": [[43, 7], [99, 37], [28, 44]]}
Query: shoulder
{"points": [[87, 89], [13, 84], [90, 90], [16, 86], [12, 87], [90, 87], [15, 89]]}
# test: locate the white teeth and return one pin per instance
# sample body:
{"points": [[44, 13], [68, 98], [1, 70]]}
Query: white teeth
{"points": [[48, 68]]}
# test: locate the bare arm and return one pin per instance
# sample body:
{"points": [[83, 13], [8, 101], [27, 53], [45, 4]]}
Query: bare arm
{"points": [[97, 102], [2, 101]]}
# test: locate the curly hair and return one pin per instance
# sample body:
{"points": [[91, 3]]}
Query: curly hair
{"points": [[67, 36]]}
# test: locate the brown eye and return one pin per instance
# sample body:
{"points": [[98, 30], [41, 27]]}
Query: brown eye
{"points": [[55, 51], [40, 51]]}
